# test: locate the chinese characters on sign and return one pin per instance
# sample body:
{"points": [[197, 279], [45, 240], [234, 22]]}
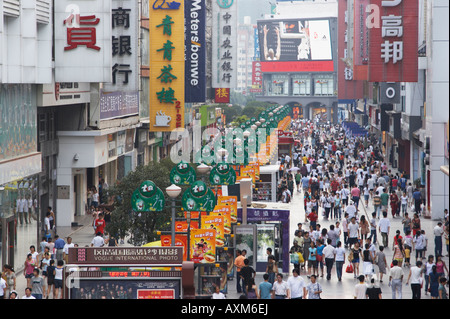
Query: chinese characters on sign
{"points": [[224, 64], [393, 57], [195, 43], [256, 78], [82, 41], [120, 97], [222, 95], [81, 35], [167, 64]]}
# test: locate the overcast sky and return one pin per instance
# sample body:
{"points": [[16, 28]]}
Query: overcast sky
{"points": [[253, 8]]}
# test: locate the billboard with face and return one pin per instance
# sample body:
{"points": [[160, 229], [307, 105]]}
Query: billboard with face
{"points": [[295, 40]]}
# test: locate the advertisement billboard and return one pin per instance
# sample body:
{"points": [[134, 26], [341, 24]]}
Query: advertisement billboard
{"points": [[195, 42], [393, 41], [126, 288], [295, 40]]}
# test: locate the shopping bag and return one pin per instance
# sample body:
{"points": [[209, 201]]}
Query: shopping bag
{"points": [[349, 269], [301, 260]]}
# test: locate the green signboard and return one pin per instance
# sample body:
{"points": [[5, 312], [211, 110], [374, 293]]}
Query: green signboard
{"points": [[183, 174], [148, 198], [222, 174], [199, 198]]}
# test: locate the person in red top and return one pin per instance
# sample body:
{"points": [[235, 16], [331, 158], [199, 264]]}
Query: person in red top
{"points": [[100, 224], [394, 182], [394, 203], [313, 218], [334, 185]]}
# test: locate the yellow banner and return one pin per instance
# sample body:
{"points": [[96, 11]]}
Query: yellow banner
{"points": [[215, 223], [167, 67]]}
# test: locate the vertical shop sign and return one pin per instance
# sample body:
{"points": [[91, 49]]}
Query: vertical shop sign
{"points": [[256, 78], [120, 97], [224, 45], [393, 42], [195, 43], [167, 66]]}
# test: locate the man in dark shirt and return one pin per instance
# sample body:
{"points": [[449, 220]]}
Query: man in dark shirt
{"points": [[373, 292], [247, 272]]}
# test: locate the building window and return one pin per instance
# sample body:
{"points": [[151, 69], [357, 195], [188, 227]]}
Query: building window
{"points": [[301, 85], [324, 85], [280, 84]]}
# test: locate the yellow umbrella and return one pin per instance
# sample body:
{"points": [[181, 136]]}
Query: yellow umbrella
{"points": [[153, 244]]}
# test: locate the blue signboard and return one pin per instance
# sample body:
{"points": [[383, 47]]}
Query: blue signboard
{"points": [[257, 47], [195, 43]]}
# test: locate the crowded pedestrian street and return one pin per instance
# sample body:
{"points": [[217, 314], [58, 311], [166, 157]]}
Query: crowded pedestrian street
{"points": [[201, 150]]}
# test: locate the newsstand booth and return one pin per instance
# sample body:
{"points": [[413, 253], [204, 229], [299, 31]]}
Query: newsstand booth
{"points": [[271, 231], [127, 273], [285, 143]]}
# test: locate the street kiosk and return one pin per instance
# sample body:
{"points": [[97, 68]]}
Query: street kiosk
{"points": [[125, 273]]}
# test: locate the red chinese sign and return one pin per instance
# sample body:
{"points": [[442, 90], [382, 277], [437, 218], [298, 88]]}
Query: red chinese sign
{"points": [[393, 41], [222, 95], [86, 36], [156, 294], [256, 78]]}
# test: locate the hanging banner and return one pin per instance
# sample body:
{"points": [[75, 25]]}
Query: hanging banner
{"points": [[232, 202], [203, 246], [225, 212], [393, 41], [256, 77], [180, 241], [215, 223], [167, 66], [195, 37]]}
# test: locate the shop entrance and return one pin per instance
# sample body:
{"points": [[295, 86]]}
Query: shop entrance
{"points": [[8, 235]]}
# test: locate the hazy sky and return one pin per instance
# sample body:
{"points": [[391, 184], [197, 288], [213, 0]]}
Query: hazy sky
{"points": [[253, 8]]}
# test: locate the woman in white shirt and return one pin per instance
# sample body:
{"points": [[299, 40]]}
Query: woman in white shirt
{"points": [[340, 260], [416, 280], [404, 202]]}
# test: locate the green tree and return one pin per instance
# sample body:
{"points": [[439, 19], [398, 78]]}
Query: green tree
{"points": [[231, 112], [140, 228], [239, 120]]}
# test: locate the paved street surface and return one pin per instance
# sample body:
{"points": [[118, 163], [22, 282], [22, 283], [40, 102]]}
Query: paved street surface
{"points": [[332, 289]]}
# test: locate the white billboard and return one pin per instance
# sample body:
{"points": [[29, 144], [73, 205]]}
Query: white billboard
{"points": [[83, 41], [224, 43], [320, 40]]}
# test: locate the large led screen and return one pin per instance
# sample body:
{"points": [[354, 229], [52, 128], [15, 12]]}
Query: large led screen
{"points": [[295, 40]]}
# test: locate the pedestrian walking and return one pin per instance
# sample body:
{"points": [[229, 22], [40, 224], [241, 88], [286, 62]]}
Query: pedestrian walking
{"points": [[360, 288], [416, 280], [280, 288], [58, 281], [329, 254], [265, 288], [59, 248], [297, 286], [37, 284], [314, 288], [395, 280], [373, 291], [239, 263], [384, 227]]}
